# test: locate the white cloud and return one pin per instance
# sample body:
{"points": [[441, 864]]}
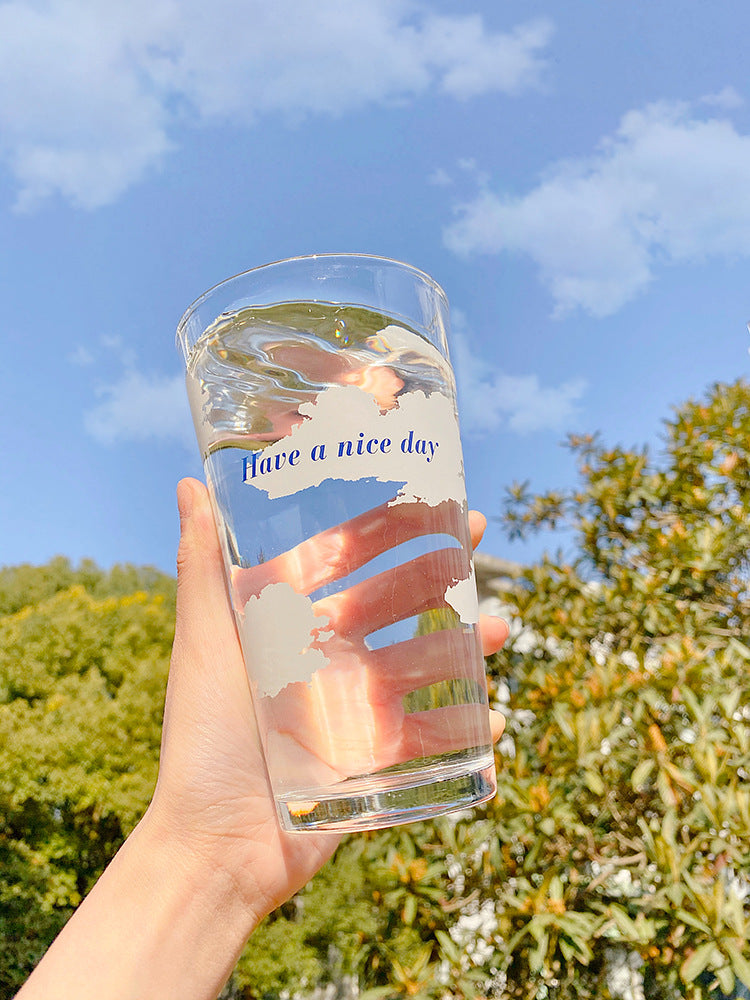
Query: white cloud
{"points": [[140, 407], [727, 98], [81, 357], [491, 399], [440, 178], [668, 187], [474, 63], [77, 114], [92, 93]]}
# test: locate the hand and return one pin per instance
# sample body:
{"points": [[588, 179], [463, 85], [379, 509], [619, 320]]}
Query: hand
{"points": [[339, 709], [173, 910], [213, 793]]}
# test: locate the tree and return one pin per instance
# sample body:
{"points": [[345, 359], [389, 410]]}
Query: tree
{"points": [[615, 860], [624, 813], [83, 663]]}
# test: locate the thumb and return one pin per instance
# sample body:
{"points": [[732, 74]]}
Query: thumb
{"points": [[206, 676], [204, 616]]}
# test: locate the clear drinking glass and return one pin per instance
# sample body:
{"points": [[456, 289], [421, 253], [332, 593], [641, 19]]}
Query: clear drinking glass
{"points": [[324, 406]]}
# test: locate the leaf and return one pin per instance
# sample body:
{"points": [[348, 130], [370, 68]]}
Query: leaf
{"points": [[568, 949], [625, 925], [538, 954], [594, 782], [666, 791], [730, 701], [740, 964], [697, 711], [692, 967], [693, 921], [563, 720], [726, 979], [680, 777], [641, 772], [669, 826], [422, 960], [739, 648], [449, 947]]}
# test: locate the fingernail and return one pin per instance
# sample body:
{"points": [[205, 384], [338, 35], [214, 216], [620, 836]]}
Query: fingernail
{"points": [[499, 618], [497, 725], [185, 499]]}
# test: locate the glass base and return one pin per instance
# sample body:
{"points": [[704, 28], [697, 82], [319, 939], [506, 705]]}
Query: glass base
{"points": [[384, 800]]}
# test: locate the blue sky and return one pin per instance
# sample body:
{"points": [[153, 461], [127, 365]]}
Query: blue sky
{"points": [[576, 176]]}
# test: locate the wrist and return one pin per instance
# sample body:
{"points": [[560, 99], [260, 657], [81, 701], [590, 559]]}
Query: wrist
{"points": [[200, 908], [226, 867], [238, 844], [161, 921]]}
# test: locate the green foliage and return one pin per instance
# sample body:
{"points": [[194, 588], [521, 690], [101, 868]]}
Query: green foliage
{"points": [[83, 662], [623, 817], [382, 911], [304, 941], [620, 836]]}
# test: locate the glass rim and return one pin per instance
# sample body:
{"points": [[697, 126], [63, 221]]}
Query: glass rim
{"points": [[344, 257]]}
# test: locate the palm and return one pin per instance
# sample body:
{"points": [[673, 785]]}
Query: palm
{"points": [[345, 716], [212, 779], [212, 784]]}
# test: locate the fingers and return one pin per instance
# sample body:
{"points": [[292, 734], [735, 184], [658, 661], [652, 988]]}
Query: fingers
{"points": [[206, 641], [206, 675], [335, 553], [201, 591], [494, 632], [497, 725], [443, 730], [477, 526], [427, 659], [397, 594]]}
